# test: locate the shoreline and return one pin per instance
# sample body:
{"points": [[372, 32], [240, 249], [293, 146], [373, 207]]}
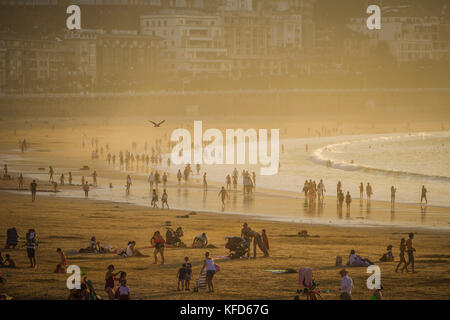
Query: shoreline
{"points": [[260, 217]]}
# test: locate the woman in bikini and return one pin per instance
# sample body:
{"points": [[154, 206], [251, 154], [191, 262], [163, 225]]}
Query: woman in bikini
{"points": [[158, 241], [402, 256]]}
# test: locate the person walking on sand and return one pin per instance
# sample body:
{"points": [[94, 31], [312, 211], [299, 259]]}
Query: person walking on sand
{"points": [[33, 188], [393, 191], [424, 195], [210, 267], [50, 173], [158, 242], [61, 179], [70, 178], [86, 189], [410, 250], [164, 198], [20, 181], [223, 194], [346, 285], [154, 202], [402, 256]]}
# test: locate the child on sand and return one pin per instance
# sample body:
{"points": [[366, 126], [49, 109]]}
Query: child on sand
{"points": [[109, 281], [187, 280], [123, 291], [181, 276]]}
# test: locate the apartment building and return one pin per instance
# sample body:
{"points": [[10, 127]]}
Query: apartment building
{"points": [[194, 42]]}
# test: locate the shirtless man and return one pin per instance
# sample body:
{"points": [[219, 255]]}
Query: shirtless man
{"points": [[223, 194], [424, 195]]}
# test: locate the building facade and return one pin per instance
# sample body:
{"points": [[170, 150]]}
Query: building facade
{"points": [[194, 43]]}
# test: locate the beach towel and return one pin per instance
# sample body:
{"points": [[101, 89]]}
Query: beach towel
{"points": [[279, 271], [305, 277]]}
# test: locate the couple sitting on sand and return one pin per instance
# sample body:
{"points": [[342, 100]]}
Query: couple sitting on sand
{"points": [[131, 251], [355, 260]]}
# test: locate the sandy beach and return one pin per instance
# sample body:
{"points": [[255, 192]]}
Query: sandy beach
{"points": [[65, 220]]}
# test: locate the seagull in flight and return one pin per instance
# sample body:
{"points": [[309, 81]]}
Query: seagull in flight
{"points": [[157, 125]]}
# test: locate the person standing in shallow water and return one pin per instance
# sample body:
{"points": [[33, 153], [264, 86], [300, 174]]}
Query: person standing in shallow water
{"points": [[424, 195], [393, 191], [86, 189], [33, 188]]}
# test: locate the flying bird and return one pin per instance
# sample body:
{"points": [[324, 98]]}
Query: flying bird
{"points": [[157, 125]]}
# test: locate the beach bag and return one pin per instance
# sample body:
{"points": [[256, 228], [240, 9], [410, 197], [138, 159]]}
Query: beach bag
{"points": [[338, 261], [217, 267]]}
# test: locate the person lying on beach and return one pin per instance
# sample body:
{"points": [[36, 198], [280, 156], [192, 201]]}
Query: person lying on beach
{"points": [[355, 260], [131, 250]]}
